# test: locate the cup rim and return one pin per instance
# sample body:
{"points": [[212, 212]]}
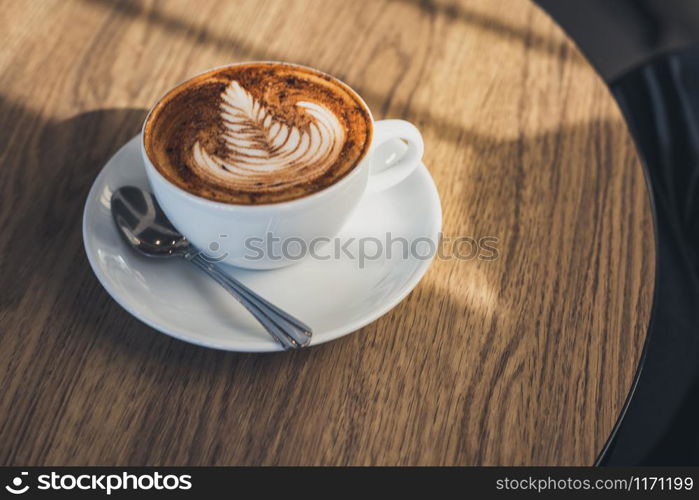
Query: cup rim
{"points": [[260, 206]]}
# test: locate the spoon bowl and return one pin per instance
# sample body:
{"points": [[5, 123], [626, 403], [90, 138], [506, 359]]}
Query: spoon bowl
{"points": [[144, 225]]}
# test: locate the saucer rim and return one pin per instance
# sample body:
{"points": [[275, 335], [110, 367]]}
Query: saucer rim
{"points": [[264, 345]]}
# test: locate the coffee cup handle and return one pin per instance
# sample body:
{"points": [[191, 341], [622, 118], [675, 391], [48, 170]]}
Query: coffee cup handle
{"points": [[393, 138]]}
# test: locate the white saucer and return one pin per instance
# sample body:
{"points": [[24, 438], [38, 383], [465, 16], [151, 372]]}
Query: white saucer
{"points": [[335, 297]]}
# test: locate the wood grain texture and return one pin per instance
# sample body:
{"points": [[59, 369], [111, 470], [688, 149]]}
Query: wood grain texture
{"points": [[526, 359]]}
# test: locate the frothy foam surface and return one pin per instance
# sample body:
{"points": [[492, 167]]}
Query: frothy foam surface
{"points": [[258, 133]]}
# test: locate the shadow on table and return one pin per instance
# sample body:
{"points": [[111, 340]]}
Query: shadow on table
{"points": [[49, 168], [479, 20]]}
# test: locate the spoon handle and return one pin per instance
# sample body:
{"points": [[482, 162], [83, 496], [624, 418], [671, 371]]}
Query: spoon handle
{"points": [[289, 331]]}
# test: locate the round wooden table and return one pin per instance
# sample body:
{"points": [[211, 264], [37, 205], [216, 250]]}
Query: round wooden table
{"points": [[524, 359]]}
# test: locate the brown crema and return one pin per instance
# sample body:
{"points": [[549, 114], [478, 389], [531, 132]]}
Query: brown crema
{"points": [[258, 133]]}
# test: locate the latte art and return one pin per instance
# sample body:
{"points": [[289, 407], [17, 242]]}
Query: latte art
{"points": [[262, 150], [257, 133]]}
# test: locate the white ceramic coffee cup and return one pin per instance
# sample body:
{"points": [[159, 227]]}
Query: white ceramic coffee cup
{"points": [[256, 236]]}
